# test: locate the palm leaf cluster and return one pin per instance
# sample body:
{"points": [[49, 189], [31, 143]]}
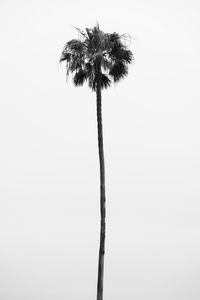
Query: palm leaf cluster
{"points": [[96, 55]]}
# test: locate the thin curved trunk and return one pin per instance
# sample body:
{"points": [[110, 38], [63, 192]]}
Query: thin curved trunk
{"points": [[102, 195]]}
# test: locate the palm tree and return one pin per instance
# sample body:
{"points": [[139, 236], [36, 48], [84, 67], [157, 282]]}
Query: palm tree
{"points": [[98, 58]]}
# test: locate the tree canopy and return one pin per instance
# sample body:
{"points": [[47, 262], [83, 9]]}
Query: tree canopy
{"points": [[97, 55]]}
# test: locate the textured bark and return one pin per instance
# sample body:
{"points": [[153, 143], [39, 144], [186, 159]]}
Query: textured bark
{"points": [[102, 195]]}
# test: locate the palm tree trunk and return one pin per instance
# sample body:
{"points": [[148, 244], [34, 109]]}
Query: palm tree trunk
{"points": [[102, 195]]}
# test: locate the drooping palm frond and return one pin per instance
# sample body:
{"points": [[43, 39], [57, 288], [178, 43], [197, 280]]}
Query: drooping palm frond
{"points": [[118, 71], [96, 55], [72, 50], [65, 56], [120, 53], [80, 77], [105, 81]]}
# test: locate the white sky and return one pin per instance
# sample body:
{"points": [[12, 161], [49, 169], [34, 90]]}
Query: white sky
{"points": [[49, 175]]}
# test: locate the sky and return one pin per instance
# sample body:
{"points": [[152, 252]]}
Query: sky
{"points": [[49, 175]]}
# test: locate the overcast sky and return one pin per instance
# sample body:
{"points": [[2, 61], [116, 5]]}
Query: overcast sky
{"points": [[49, 174]]}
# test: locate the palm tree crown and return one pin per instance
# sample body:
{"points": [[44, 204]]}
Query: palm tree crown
{"points": [[96, 55]]}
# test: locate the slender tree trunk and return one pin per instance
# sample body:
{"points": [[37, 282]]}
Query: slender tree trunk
{"points": [[102, 195]]}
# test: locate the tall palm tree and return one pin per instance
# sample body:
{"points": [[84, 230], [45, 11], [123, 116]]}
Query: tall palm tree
{"points": [[98, 58]]}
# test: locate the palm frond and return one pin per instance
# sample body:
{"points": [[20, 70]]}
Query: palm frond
{"points": [[113, 37], [75, 45], [65, 56], [71, 47], [82, 33], [120, 53], [89, 32], [118, 71], [105, 81], [75, 63], [127, 56], [80, 77]]}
